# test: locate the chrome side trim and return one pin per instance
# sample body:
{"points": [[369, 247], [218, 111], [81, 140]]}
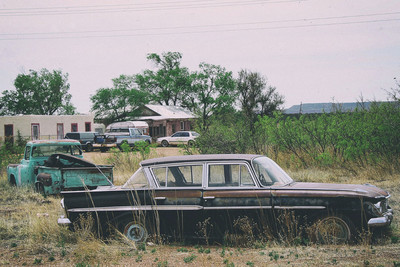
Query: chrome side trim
{"points": [[184, 207], [238, 208], [135, 208], [299, 207]]}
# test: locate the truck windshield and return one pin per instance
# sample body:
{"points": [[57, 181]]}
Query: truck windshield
{"points": [[47, 151]]}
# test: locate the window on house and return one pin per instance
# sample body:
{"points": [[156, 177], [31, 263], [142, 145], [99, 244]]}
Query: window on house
{"points": [[88, 127], [35, 131], [74, 127], [182, 125], [60, 131]]}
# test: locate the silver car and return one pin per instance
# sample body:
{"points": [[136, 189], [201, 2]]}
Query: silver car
{"points": [[181, 137]]}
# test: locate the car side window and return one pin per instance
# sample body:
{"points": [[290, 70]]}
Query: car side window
{"points": [[185, 134], [179, 176], [220, 175]]}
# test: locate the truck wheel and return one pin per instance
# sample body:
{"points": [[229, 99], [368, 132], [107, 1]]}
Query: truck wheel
{"points": [[333, 230], [164, 143], [89, 147], [135, 232], [12, 181]]}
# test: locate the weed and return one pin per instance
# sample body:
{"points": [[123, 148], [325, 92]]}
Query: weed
{"points": [[249, 263], [182, 250], [190, 258], [394, 239], [162, 264], [139, 258], [37, 261], [204, 229]]}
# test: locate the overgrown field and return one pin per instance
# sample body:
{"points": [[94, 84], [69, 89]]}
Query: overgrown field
{"points": [[30, 235]]}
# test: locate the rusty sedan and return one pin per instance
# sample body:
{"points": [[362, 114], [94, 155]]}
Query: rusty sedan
{"points": [[206, 196]]}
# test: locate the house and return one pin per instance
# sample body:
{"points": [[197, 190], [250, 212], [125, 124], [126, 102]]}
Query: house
{"points": [[166, 120], [34, 127]]}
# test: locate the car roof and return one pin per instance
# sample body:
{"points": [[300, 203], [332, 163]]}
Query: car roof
{"points": [[55, 141], [203, 157]]}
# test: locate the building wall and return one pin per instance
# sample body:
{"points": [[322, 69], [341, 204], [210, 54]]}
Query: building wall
{"points": [[161, 128], [47, 124]]}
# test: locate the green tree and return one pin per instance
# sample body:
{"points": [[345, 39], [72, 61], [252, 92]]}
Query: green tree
{"points": [[42, 93], [167, 83], [256, 98], [121, 102], [212, 92]]}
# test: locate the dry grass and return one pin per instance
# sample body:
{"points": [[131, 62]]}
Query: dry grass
{"points": [[30, 235]]}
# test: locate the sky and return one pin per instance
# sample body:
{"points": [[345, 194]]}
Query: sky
{"points": [[312, 51]]}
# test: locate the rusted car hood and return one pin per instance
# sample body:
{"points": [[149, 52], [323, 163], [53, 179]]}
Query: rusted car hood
{"points": [[326, 189]]}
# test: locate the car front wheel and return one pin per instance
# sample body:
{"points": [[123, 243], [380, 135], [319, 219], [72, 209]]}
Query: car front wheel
{"points": [[333, 230]]}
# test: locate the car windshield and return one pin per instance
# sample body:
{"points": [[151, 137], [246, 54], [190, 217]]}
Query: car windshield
{"points": [[48, 150], [269, 173]]}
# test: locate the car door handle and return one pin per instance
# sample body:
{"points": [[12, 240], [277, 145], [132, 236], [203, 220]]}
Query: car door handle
{"points": [[209, 198], [160, 198]]}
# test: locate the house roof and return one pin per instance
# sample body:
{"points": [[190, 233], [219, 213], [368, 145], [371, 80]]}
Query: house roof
{"points": [[313, 108], [159, 112]]}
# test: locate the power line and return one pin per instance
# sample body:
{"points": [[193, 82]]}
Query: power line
{"points": [[208, 25], [133, 7], [201, 31]]}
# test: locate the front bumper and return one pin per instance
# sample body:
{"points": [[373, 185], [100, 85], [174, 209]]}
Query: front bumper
{"points": [[385, 220], [63, 221]]}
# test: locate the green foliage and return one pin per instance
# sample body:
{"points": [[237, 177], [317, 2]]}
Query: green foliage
{"points": [[167, 83], [43, 93], [120, 102], [10, 154], [190, 258]]}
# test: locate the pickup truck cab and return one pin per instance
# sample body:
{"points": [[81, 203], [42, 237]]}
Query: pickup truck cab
{"points": [[51, 166], [130, 137]]}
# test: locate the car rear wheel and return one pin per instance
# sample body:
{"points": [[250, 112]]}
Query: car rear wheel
{"points": [[135, 232], [191, 143], [333, 230], [164, 143]]}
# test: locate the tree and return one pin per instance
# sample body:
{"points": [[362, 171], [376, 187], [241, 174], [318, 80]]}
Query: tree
{"points": [[254, 95], [120, 102], [40, 93], [212, 92], [256, 99], [167, 83]]}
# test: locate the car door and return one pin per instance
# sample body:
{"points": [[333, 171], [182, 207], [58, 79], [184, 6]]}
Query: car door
{"points": [[175, 138], [232, 193], [178, 196]]}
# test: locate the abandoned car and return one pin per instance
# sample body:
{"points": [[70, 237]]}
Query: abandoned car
{"points": [[206, 196]]}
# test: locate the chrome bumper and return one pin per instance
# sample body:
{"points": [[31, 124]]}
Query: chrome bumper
{"points": [[63, 221], [381, 221]]}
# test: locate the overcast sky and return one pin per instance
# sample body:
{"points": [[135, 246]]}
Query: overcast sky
{"points": [[310, 50]]}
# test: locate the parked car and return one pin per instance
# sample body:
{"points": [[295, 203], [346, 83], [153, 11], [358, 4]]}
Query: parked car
{"points": [[87, 139], [181, 137], [178, 195]]}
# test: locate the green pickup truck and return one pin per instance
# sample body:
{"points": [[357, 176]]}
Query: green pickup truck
{"points": [[52, 166]]}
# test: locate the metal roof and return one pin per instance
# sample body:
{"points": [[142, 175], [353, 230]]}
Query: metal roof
{"points": [[203, 157], [167, 112], [313, 108]]}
